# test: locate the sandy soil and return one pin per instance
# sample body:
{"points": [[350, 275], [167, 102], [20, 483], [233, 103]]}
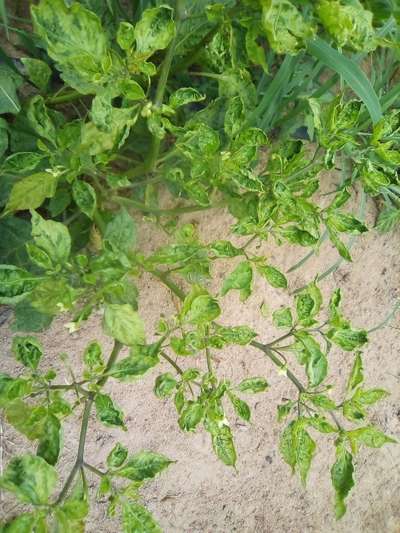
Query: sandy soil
{"points": [[198, 494]]}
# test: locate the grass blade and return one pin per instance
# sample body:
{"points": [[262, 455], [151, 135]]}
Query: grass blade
{"points": [[350, 72], [4, 16]]}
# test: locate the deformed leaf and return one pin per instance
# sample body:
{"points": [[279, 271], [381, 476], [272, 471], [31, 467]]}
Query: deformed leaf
{"points": [[38, 72], [342, 478], [107, 412], [31, 192], [253, 385], [52, 237], [274, 276], [27, 350], [241, 408], [191, 415], [117, 456], [183, 96], [240, 279], [137, 519], [143, 465], [50, 441], [154, 31], [123, 324], [15, 284], [30, 478], [85, 197]]}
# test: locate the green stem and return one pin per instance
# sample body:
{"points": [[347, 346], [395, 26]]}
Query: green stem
{"points": [[268, 352], [79, 462], [94, 469], [64, 98], [163, 277], [171, 362], [162, 85]]}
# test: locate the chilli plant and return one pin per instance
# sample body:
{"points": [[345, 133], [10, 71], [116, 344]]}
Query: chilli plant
{"points": [[114, 111]]}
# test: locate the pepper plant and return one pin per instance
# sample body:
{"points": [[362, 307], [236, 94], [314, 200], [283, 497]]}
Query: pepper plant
{"points": [[114, 111]]}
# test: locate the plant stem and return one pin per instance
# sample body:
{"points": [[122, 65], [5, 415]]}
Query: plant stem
{"points": [[163, 277], [94, 469], [162, 85], [268, 352], [64, 98], [171, 362], [79, 462]]}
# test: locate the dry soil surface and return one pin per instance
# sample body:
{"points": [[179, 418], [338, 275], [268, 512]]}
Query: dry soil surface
{"points": [[198, 494]]}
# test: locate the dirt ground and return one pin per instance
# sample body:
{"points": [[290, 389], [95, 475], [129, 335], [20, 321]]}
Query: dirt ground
{"points": [[199, 494]]}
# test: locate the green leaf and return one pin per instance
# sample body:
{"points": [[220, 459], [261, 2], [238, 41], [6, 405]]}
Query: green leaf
{"points": [[321, 424], [76, 41], [274, 277], [316, 361], [240, 279], [165, 385], [370, 396], [107, 412], [286, 29], [40, 120], [93, 358], [297, 448], [13, 388], [350, 25], [241, 408], [241, 335], [50, 441], [31, 192], [121, 232], [284, 410], [52, 237], [117, 456], [10, 81], [322, 401], [191, 415], [15, 284], [30, 478], [28, 420], [253, 385], [344, 223], [85, 197], [23, 523], [308, 304], [38, 72], [224, 249], [143, 465], [357, 373], [123, 324], [369, 436], [282, 318], [137, 519], [342, 478], [142, 358], [125, 35], [15, 233], [222, 441], [351, 73], [154, 31], [183, 96], [348, 339], [27, 350], [53, 296], [27, 318], [39, 257], [203, 310]]}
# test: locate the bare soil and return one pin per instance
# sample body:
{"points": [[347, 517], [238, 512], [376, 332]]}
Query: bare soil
{"points": [[199, 494]]}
